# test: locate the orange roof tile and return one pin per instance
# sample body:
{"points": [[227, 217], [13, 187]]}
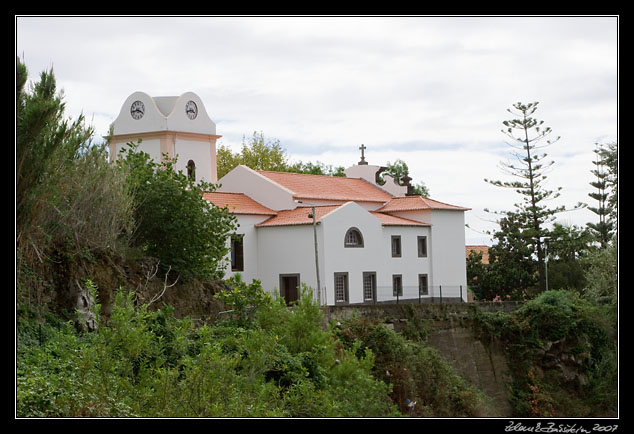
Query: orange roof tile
{"points": [[298, 216], [322, 187], [415, 203], [391, 220], [237, 203]]}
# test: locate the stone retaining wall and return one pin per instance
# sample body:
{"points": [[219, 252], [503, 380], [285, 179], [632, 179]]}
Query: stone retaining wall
{"points": [[449, 331]]}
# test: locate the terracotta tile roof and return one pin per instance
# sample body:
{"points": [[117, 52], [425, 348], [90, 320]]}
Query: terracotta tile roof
{"points": [[391, 220], [414, 203], [323, 187], [298, 216], [238, 203]]}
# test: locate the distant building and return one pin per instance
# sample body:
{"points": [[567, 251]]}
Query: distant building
{"points": [[484, 250]]}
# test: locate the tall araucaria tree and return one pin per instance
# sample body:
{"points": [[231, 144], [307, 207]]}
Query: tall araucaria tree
{"points": [[605, 193], [528, 134]]}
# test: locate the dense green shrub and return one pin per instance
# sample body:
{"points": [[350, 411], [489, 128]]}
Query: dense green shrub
{"points": [[579, 330], [173, 222], [150, 364]]}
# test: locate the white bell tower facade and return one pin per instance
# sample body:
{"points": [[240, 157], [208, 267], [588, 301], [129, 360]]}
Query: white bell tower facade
{"points": [[178, 126]]}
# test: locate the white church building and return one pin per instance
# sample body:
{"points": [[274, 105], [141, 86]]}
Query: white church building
{"points": [[354, 239]]}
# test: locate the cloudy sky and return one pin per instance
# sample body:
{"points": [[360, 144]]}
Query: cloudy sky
{"points": [[432, 91]]}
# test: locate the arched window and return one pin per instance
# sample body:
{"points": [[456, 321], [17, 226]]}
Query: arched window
{"points": [[191, 170], [353, 238]]}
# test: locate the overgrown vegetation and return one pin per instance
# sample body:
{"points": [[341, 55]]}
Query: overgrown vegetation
{"points": [[173, 222], [72, 207], [562, 352], [423, 383], [275, 361], [562, 343]]}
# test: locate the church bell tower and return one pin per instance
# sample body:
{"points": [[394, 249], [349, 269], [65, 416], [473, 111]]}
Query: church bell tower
{"points": [[177, 126]]}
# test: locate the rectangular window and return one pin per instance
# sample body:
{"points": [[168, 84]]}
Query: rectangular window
{"points": [[396, 246], [341, 288], [422, 247], [369, 286], [423, 287], [397, 285], [237, 253]]}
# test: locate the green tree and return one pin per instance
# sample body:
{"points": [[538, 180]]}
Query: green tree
{"points": [[257, 154], [611, 160], [174, 223], [399, 170], [512, 266], [605, 171], [261, 154], [567, 247], [226, 160], [317, 168], [45, 142], [602, 230], [601, 276], [529, 166], [72, 206]]}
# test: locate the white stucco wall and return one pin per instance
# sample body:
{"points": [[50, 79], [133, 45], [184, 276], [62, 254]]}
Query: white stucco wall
{"points": [[375, 256], [445, 249], [203, 153], [353, 260], [250, 242], [409, 265], [272, 251], [448, 252], [287, 250], [150, 146]]}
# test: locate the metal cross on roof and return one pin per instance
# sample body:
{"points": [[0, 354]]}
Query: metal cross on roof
{"points": [[363, 148]]}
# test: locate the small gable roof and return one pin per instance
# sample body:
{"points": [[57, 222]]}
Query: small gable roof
{"points": [[391, 220], [416, 203], [298, 216]]}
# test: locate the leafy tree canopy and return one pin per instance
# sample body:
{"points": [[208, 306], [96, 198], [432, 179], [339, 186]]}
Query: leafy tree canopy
{"points": [[174, 223], [261, 154], [398, 170]]}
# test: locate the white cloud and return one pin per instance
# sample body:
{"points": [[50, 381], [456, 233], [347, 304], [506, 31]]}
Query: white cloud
{"points": [[432, 91]]}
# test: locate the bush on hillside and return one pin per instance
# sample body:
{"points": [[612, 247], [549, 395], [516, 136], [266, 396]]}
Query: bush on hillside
{"points": [[417, 372], [173, 222], [563, 354], [150, 364]]}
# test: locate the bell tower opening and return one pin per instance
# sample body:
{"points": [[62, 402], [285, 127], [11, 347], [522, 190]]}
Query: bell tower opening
{"points": [[191, 170]]}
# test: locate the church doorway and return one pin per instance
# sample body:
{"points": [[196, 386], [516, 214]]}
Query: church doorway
{"points": [[289, 287]]}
